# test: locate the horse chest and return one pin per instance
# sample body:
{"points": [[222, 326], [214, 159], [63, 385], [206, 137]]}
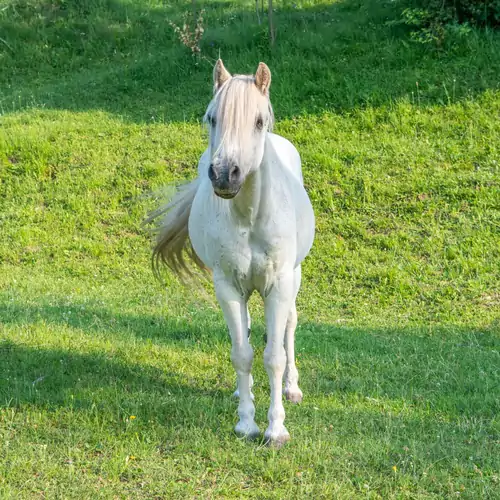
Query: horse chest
{"points": [[248, 249], [252, 259]]}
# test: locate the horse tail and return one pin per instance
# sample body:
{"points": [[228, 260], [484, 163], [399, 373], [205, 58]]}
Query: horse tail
{"points": [[172, 241]]}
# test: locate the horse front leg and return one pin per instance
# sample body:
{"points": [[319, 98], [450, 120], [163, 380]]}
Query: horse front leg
{"points": [[277, 307], [236, 393], [234, 307]]}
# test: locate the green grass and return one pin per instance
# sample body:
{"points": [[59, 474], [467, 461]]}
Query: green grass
{"points": [[399, 314]]}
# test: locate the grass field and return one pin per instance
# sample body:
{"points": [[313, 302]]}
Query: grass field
{"points": [[114, 387]]}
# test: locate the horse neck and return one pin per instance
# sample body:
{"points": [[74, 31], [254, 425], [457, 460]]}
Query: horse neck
{"points": [[255, 192]]}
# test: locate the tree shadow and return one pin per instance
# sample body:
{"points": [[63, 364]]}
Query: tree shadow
{"points": [[111, 383], [110, 386], [92, 319], [375, 397], [124, 58], [107, 405], [446, 371]]}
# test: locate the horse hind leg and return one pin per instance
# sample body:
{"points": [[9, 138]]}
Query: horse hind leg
{"points": [[292, 391]]}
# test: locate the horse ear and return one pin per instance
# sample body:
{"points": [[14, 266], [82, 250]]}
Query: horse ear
{"points": [[263, 78], [221, 75]]}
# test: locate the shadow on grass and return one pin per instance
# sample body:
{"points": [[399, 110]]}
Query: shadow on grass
{"points": [[359, 406], [109, 386], [124, 58], [447, 372], [93, 319]]}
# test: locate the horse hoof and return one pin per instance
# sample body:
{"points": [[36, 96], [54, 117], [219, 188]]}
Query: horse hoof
{"points": [[276, 440], [294, 396], [248, 430]]}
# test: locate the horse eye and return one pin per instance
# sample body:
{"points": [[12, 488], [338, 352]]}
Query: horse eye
{"points": [[259, 123]]}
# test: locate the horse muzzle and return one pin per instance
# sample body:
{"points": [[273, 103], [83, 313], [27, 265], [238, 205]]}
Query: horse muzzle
{"points": [[226, 180]]}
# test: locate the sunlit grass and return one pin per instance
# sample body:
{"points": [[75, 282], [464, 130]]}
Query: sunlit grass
{"points": [[112, 386]]}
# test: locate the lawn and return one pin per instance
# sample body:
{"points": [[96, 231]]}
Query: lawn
{"points": [[114, 386]]}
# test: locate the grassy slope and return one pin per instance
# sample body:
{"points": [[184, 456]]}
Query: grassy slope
{"points": [[398, 344]]}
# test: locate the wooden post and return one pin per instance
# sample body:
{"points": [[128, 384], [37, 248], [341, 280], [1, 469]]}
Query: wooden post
{"points": [[257, 10], [271, 24]]}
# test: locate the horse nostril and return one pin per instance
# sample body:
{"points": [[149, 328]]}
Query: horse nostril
{"points": [[234, 173], [211, 173]]}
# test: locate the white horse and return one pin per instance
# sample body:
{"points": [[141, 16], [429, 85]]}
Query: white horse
{"points": [[248, 219]]}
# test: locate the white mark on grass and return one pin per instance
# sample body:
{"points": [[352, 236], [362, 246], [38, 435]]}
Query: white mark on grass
{"points": [[38, 380]]}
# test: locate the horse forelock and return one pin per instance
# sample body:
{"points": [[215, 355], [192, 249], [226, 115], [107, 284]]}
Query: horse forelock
{"points": [[235, 106]]}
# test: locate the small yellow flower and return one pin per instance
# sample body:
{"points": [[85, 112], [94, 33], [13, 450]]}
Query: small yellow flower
{"points": [[394, 468], [131, 457], [132, 417]]}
